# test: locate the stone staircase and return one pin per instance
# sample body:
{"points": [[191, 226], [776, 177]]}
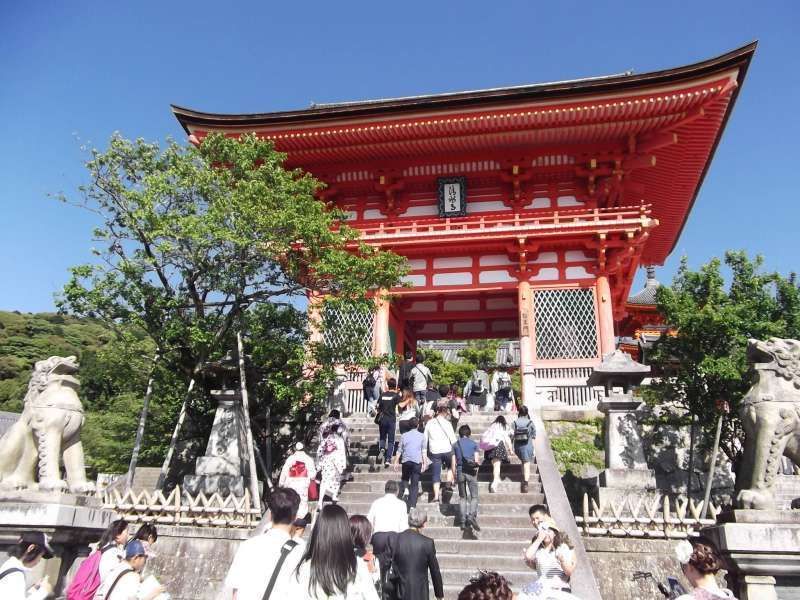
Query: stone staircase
{"points": [[503, 516]]}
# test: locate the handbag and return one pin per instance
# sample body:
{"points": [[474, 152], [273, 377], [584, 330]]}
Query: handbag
{"points": [[313, 490]]}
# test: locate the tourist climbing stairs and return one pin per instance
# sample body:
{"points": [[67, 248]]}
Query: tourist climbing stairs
{"points": [[502, 516]]}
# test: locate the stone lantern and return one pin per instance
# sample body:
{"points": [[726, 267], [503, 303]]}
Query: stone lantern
{"points": [[626, 466], [222, 468]]}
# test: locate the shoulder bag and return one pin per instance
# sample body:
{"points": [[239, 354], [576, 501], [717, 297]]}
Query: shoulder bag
{"points": [[285, 550], [468, 466], [116, 581]]}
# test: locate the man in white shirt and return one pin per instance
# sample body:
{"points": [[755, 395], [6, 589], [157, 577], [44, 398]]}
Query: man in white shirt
{"points": [[31, 548], [257, 558], [388, 513], [420, 376]]}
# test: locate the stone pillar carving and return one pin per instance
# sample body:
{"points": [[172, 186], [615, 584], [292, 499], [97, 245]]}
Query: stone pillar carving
{"points": [[626, 466], [527, 341]]}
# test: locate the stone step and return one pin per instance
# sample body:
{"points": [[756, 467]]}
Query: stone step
{"points": [[509, 472], [377, 487], [499, 499], [366, 457], [516, 512], [514, 536], [518, 575], [483, 559]]}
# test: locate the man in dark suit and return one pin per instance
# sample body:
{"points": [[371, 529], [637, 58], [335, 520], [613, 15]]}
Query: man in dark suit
{"points": [[414, 554]]}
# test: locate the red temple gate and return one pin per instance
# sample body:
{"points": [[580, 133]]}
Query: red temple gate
{"points": [[524, 212]]}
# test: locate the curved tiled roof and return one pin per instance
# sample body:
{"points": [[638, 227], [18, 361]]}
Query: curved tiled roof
{"points": [[647, 295]]}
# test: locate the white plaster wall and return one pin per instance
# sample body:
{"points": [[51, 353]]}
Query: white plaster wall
{"points": [[494, 260], [546, 274], [417, 264], [488, 206], [577, 273], [424, 210], [451, 262], [576, 256], [546, 257], [504, 326], [452, 279], [539, 203], [495, 277], [373, 213], [415, 280]]}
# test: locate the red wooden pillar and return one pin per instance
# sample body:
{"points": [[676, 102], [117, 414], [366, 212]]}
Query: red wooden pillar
{"points": [[605, 316], [527, 341], [380, 336]]}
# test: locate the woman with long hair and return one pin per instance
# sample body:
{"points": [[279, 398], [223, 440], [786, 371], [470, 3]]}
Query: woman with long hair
{"points": [[407, 409], [496, 443], [329, 569], [112, 545], [552, 555], [700, 563]]}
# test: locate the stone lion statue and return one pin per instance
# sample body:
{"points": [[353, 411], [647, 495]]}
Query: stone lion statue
{"points": [[48, 429], [770, 414]]}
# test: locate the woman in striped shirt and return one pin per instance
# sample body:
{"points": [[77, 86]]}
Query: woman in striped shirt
{"points": [[552, 556]]}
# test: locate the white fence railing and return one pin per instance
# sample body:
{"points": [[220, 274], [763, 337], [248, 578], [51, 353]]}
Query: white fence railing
{"points": [[640, 516], [180, 508]]}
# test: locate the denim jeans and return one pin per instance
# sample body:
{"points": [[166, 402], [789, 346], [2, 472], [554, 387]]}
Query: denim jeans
{"points": [[386, 439], [411, 471], [468, 505]]}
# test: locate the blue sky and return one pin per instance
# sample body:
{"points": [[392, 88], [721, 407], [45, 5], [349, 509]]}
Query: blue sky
{"points": [[72, 73]]}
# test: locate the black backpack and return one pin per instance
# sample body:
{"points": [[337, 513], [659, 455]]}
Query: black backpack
{"points": [[369, 382]]}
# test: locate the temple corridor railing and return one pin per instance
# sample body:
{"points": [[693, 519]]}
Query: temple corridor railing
{"points": [[593, 220]]}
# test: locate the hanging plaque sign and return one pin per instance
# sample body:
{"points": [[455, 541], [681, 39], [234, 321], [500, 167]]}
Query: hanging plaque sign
{"points": [[452, 196]]}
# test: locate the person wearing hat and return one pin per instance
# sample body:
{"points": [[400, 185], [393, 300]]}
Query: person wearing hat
{"points": [[15, 573], [125, 581], [297, 473], [552, 556]]}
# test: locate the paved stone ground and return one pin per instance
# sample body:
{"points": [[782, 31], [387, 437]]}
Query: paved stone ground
{"points": [[503, 516]]}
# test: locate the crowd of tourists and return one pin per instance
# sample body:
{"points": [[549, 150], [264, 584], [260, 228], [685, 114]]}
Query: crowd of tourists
{"points": [[386, 555], [113, 571]]}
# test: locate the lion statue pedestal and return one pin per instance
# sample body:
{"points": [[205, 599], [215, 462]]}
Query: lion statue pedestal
{"points": [[761, 544], [47, 431]]}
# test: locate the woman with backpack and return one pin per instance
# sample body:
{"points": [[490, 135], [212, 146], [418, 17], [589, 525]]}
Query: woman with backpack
{"points": [[297, 473], [496, 443], [524, 433], [99, 564]]}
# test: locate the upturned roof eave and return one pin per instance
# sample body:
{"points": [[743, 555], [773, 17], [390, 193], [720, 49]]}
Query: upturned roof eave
{"points": [[593, 85]]}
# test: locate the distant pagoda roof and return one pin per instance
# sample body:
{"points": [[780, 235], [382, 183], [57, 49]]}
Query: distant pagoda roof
{"points": [[647, 295]]}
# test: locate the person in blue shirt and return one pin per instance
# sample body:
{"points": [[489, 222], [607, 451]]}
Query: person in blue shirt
{"points": [[467, 463], [409, 454]]}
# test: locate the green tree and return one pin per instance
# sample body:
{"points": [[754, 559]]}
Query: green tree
{"points": [[193, 239], [704, 361]]}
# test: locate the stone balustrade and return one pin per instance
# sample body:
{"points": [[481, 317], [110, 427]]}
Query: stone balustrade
{"points": [[181, 508], [654, 516]]}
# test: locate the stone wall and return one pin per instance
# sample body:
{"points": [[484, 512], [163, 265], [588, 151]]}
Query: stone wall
{"points": [[192, 562], [615, 560]]}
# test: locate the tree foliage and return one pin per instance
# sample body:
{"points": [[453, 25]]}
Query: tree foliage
{"points": [[198, 242], [705, 360]]}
